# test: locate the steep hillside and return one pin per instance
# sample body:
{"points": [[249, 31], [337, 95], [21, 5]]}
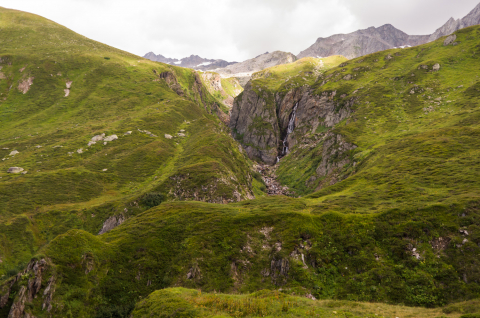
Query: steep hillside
{"points": [[90, 136]]}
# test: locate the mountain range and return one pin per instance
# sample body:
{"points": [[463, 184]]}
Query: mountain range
{"points": [[193, 61], [351, 45]]}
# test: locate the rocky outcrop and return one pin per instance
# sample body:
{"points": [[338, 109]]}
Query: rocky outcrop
{"points": [[35, 271], [172, 82], [111, 223]]}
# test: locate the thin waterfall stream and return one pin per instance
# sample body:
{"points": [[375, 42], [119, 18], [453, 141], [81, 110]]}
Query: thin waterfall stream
{"points": [[290, 128]]}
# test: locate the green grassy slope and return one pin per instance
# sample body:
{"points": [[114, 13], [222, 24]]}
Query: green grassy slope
{"points": [[111, 92], [416, 130], [269, 243]]}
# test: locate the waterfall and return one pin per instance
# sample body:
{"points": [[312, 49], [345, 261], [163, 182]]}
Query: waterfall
{"points": [[290, 128]]}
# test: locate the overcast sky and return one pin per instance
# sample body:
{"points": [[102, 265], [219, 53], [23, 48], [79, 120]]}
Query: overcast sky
{"points": [[235, 30]]}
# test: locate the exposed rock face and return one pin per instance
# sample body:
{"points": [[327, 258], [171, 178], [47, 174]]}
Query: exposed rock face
{"points": [[335, 155], [243, 71], [111, 223], [193, 61], [254, 124], [279, 271], [363, 42], [452, 25], [260, 126]]}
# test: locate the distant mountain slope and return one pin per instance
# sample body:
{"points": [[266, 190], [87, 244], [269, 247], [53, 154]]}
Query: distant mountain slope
{"points": [[243, 71], [371, 40], [452, 25], [193, 61], [362, 42]]}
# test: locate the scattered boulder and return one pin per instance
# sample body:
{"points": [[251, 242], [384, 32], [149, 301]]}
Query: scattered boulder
{"points": [[348, 77], [168, 136], [13, 153], [15, 170], [80, 150], [98, 137], [69, 84], [104, 170], [38, 146], [67, 92], [436, 67], [91, 143], [450, 40], [180, 135], [24, 85], [111, 138], [128, 132]]}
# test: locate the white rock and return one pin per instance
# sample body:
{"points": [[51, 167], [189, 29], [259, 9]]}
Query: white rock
{"points": [[98, 137], [111, 138], [91, 143], [69, 84], [436, 67], [70, 153], [182, 130], [180, 135], [104, 169], [24, 172], [168, 136], [13, 153], [80, 150], [105, 143], [15, 170], [128, 132], [38, 146]]}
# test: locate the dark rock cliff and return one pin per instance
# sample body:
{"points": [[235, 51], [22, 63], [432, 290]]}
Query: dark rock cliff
{"points": [[260, 122]]}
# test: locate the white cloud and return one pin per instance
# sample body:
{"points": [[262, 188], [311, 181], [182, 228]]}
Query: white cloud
{"points": [[232, 29]]}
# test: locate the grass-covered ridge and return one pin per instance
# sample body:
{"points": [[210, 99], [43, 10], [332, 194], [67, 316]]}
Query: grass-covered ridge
{"points": [[69, 184]]}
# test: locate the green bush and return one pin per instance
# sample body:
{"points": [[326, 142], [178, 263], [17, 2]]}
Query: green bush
{"points": [[153, 199]]}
